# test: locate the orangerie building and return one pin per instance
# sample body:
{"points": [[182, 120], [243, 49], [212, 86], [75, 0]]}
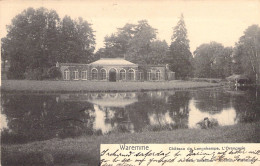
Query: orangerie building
{"points": [[114, 69]]}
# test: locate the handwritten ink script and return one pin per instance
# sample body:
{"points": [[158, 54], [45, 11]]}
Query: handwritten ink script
{"points": [[179, 154]]}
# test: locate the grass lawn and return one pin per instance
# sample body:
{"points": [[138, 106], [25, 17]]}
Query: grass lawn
{"points": [[85, 149], [68, 86]]}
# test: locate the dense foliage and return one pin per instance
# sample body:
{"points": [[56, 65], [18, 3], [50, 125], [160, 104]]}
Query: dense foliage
{"points": [[135, 42], [212, 60], [37, 39], [247, 54], [180, 57]]}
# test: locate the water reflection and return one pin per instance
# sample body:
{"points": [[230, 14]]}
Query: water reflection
{"points": [[101, 121], [3, 120], [31, 117], [227, 116]]}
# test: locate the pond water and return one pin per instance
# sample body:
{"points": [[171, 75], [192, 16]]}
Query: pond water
{"points": [[33, 117]]}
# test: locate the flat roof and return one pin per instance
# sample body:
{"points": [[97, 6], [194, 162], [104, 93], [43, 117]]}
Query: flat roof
{"points": [[113, 61]]}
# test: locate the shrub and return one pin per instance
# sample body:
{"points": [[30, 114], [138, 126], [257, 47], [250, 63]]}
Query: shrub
{"points": [[36, 74], [54, 73], [15, 73]]}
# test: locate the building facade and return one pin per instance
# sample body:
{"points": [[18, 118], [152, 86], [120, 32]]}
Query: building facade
{"points": [[113, 70]]}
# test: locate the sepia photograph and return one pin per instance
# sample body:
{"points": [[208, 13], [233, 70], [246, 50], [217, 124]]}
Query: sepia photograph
{"points": [[79, 74]]}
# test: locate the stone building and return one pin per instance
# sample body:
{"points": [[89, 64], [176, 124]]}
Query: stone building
{"points": [[114, 69]]}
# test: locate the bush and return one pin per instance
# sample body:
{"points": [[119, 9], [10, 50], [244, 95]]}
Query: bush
{"points": [[15, 73], [36, 74], [54, 73]]}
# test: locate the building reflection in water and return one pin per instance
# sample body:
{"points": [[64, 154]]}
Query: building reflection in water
{"points": [[30, 117], [227, 116], [160, 119], [110, 113]]}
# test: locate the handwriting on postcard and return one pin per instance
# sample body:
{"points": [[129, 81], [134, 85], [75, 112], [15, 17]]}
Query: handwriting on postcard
{"points": [[179, 154]]}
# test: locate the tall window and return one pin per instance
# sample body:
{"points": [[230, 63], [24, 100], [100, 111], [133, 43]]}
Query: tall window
{"points": [[149, 75], [140, 75], [158, 75], [66, 74], [131, 74], [94, 74], [84, 75], [103, 74], [76, 75], [122, 74]]}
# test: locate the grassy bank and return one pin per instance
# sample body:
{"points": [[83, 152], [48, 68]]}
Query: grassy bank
{"points": [[67, 86], [86, 149]]}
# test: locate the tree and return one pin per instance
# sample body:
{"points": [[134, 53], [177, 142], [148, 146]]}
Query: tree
{"points": [[100, 53], [212, 60], [226, 61], [114, 47], [4, 52], [54, 73], [31, 35], [134, 43], [117, 44], [246, 54], [76, 41], [36, 40], [180, 56], [158, 53], [140, 44]]}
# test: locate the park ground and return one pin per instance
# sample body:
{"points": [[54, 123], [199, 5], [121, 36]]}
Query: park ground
{"points": [[69, 86], [84, 150]]}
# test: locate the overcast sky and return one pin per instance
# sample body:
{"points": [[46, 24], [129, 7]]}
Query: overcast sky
{"points": [[220, 21]]}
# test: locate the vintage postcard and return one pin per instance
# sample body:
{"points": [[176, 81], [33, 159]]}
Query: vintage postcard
{"points": [[125, 83]]}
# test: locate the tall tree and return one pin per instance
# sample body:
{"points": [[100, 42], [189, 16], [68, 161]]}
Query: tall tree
{"points": [[36, 40], [76, 41], [31, 40], [247, 53], [113, 46], [212, 60], [180, 56], [158, 53], [140, 45], [227, 61], [117, 44], [133, 42]]}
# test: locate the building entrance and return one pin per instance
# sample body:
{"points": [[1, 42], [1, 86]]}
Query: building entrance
{"points": [[112, 75]]}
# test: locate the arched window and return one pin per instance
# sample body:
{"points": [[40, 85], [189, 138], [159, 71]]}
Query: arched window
{"points": [[131, 74], [113, 95], [158, 75], [84, 75], [66, 74], [94, 95], [122, 95], [94, 74], [149, 75], [76, 75], [103, 74], [103, 95], [122, 74]]}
